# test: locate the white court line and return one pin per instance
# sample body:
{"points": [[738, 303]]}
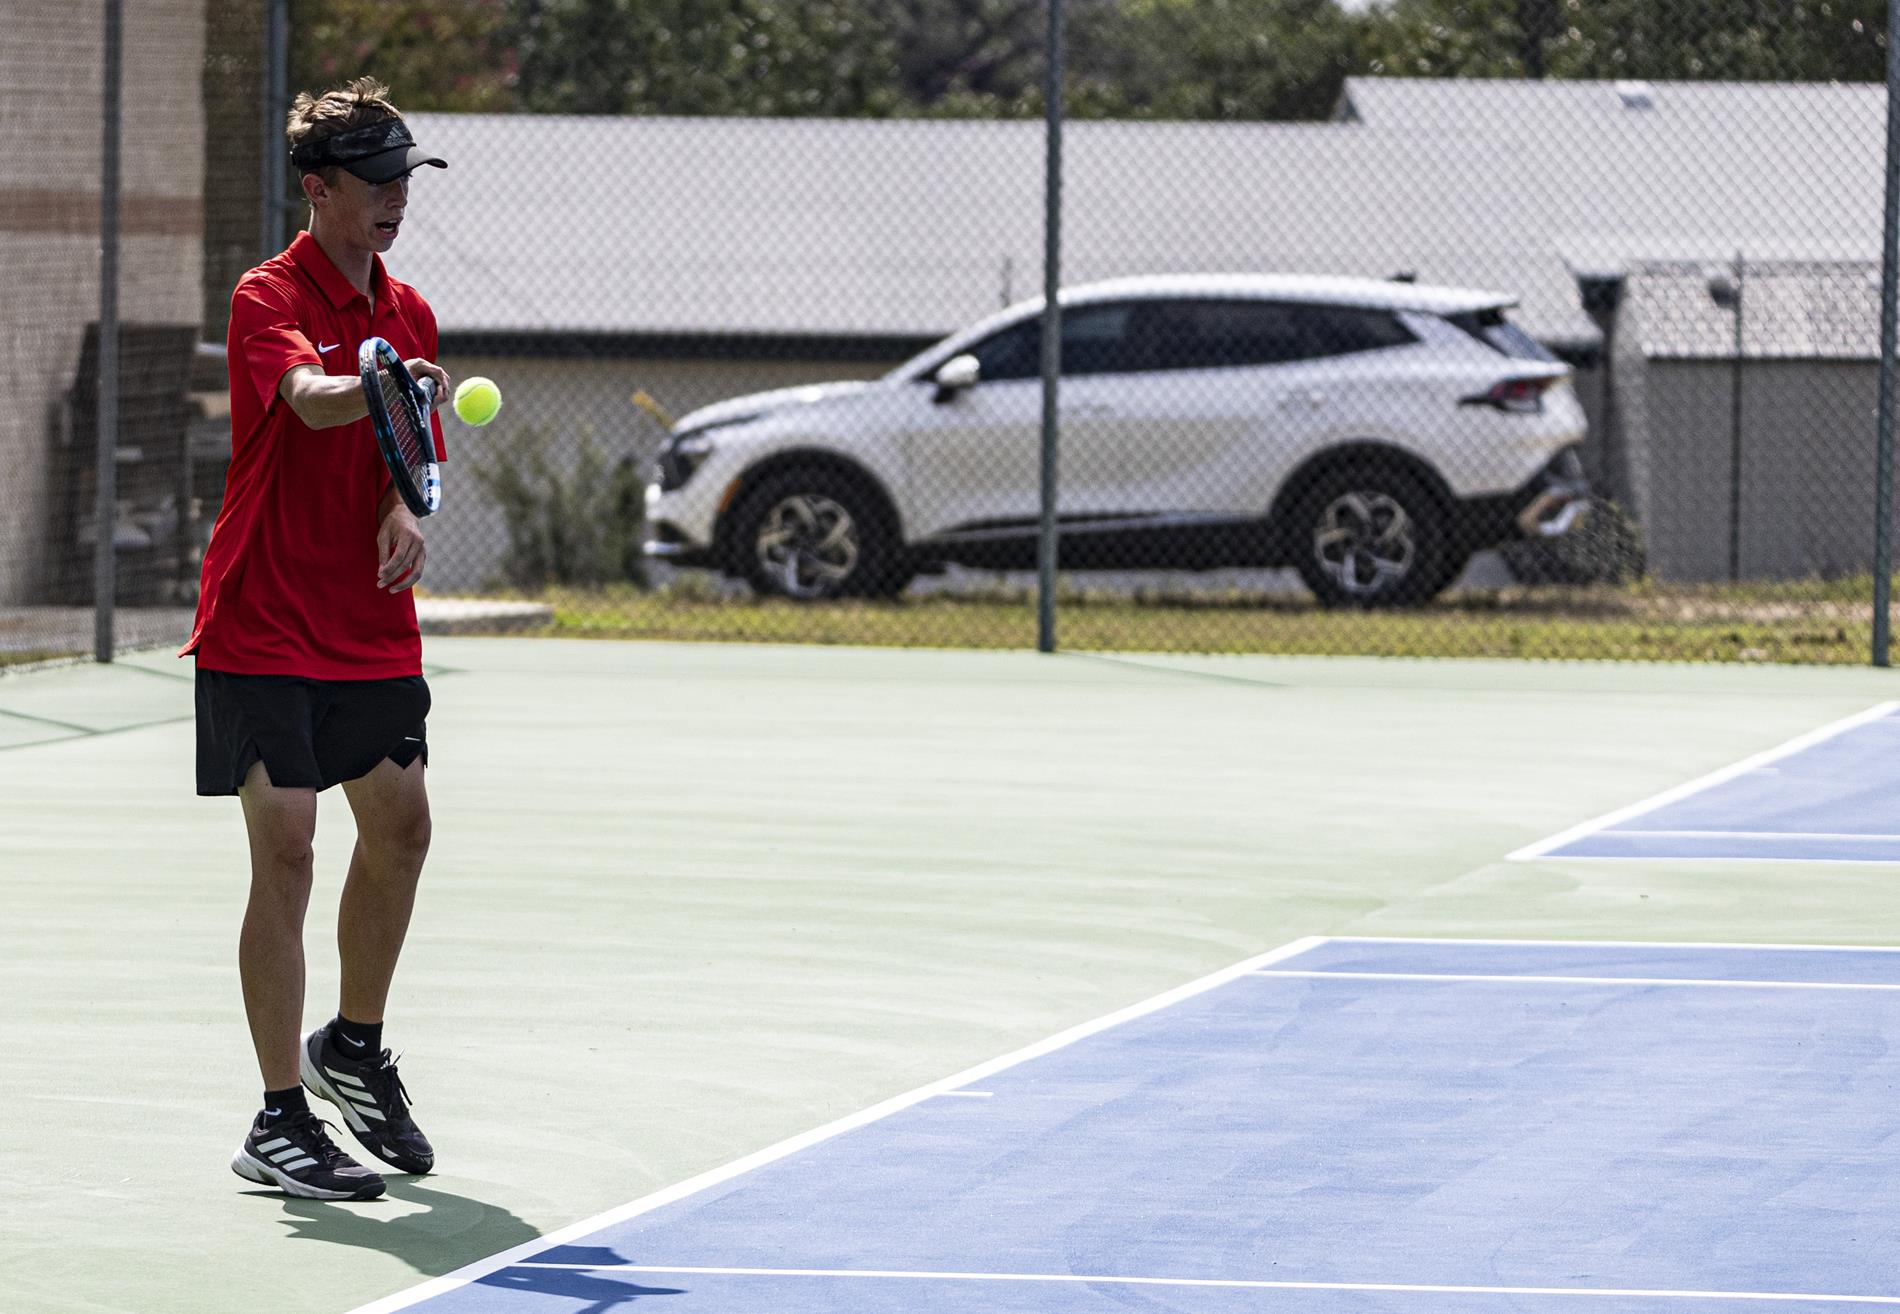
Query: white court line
{"points": [[1755, 834], [1544, 846], [587, 1227], [693, 1185], [1758, 859], [965, 1094], [1241, 1283], [1586, 980], [1618, 944]]}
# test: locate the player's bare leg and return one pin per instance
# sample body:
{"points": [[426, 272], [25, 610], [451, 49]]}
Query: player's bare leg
{"points": [[286, 1148], [282, 823], [391, 805], [344, 1061]]}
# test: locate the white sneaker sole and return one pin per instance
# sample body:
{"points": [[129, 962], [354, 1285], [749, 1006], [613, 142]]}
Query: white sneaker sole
{"points": [[252, 1169]]}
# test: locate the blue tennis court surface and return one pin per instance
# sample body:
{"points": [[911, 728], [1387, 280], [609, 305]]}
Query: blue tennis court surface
{"points": [[1830, 796], [1340, 1126]]}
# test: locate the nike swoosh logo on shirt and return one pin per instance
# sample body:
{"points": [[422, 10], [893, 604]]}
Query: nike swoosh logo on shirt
{"points": [[332, 347]]}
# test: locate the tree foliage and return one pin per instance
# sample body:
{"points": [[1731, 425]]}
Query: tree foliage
{"points": [[754, 57], [434, 55], [1194, 59], [1733, 40], [1221, 59]]}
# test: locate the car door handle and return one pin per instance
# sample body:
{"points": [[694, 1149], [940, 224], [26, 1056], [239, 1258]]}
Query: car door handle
{"points": [[1307, 399]]}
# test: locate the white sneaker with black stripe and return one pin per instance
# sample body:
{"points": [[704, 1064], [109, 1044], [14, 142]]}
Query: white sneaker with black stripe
{"points": [[297, 1156]]}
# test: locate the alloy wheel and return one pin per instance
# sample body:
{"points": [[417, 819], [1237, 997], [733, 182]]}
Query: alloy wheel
{"points": [[1366, 542], [808, 544]]}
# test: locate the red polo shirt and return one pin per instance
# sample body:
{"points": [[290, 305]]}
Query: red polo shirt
{"points": [[289, 581]]}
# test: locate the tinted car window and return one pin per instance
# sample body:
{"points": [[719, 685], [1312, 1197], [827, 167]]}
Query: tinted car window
{"points": [[1515, 342], [1132, 337], [1498, 333], [1199, 335], [1343, 330], [1095, 340], [1225, 334], [1014, 353]]}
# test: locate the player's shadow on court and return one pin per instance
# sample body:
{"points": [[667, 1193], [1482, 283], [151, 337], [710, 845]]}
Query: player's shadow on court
{"points": [[605, 1292], [453, 1230]]}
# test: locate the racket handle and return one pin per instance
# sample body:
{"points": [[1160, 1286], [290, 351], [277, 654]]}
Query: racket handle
{"points": [[428, 390]]}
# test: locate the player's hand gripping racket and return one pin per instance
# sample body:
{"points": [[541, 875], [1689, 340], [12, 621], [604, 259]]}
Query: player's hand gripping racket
{"points": [[399, 407]]}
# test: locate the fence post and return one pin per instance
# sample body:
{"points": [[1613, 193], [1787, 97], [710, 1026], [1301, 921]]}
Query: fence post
{"points": [[1051, 339], [276, 105], [1883, 430], [105, 581], [1736, 381]]}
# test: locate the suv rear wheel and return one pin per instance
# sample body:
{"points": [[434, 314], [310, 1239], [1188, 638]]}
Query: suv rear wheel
{"points": [[1372, 536], [813, 534]]}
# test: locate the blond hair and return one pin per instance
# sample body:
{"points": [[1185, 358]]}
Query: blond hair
{"points": [[341, 109]]}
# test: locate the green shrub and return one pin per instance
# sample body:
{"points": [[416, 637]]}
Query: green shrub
{"points": [[569, 522]]}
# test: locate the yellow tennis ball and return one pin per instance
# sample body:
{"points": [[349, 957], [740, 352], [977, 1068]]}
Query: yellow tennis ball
{"points": [[477, 400]]}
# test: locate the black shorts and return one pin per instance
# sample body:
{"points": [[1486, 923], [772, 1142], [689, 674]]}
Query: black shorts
{"points": [[309, 734]]}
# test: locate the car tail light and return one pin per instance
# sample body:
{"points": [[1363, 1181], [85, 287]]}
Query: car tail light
{"points": [[1519, 396]]}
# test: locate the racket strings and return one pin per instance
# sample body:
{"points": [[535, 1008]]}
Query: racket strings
{"points": [[410, 441]]}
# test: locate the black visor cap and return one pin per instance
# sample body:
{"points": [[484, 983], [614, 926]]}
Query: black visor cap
{"points": [[379, 153]]}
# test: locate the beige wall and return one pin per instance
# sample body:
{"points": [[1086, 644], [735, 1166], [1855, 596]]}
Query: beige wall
{"points": [[50, 81], [1807, 472]]}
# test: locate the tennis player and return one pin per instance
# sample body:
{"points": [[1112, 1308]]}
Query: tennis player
{"points": [[309, 662]]}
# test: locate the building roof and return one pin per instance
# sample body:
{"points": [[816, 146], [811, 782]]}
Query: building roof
{"points": [[1789, 310], [1667, 177], [904, 228], [1612, 111]]}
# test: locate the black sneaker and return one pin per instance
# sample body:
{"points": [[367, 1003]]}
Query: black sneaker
{"points": [[298, 1157], [374, 1103]]}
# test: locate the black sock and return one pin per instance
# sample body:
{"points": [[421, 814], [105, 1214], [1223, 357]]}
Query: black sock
{"points": [[356, 1040], [282, 1104]]}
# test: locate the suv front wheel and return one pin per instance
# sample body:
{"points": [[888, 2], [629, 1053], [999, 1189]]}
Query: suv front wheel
{"points": [[813, 534], [1372, 536]]}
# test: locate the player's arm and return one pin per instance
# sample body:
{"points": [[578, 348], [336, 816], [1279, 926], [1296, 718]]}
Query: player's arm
{"points": [[400, 551], [270, 349], [323, 401]]}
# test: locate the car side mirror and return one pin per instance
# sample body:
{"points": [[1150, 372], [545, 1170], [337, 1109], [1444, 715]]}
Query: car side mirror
{"points": [[955, 375]]}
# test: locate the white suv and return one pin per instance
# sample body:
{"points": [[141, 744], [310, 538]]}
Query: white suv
{"points": [[1371, 434]]}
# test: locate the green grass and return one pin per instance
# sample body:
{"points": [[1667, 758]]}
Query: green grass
{"points": [[1817, 622], [28, 656]]}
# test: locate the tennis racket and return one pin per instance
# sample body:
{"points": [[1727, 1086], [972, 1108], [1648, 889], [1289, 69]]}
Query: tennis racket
{"points": [[399, 408]]}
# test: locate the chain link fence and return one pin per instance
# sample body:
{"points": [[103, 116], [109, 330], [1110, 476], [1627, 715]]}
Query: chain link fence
{"points": [[1476, 365], [186, 228]]}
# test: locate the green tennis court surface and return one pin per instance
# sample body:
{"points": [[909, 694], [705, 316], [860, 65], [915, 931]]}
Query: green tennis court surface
{"points": [[687, 902]]}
